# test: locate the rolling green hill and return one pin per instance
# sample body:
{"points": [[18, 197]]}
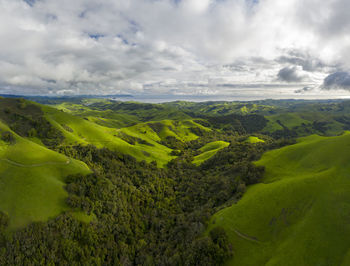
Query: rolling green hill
{"points": [[209, 150], [294, 118], [32, 176], [32, 180], [142, 141], [305, 123], [80, 131], [300, 213], [253, 139], [104, 117], [222, 108], [280, 121], [120, 114]]}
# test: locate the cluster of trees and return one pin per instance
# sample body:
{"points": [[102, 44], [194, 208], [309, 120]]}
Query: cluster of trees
{"points": [[132, 140], [141, 215], [8, 137], [241, 124], [28, 120], [316, 127]]}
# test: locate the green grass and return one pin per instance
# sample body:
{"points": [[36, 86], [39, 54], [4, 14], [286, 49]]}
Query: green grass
{"points": [[120, 114], [32, 180], [253, 139], [86, 132], [222, 108], [180, 129], [289, 120], [107, 118], [82, 131], [110, 119], [300, 214], [209, 150], [331, 127], [160, 153]]}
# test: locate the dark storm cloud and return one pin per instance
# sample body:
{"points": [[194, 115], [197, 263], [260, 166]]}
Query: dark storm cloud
{"points": [[298, 58], [337, 80], [290, 74]]}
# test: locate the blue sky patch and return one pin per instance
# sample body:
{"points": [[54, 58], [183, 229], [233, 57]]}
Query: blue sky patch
{"points": [[30, 2], [96, 36]]}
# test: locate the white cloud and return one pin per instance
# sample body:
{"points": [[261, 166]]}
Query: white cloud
{"points": [[196, 6], [90, 46]]}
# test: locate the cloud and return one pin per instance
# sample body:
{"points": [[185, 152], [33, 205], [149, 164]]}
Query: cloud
{"points": [[291, 74], [337, 80], [303, 59], [304, 90], [90, 46]]}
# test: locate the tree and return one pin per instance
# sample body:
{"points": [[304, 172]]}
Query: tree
{"points": [[8, 137]]}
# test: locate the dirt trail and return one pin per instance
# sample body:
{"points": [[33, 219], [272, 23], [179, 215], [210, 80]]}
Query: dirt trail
{"points": [[35, 165], [246, 237]]}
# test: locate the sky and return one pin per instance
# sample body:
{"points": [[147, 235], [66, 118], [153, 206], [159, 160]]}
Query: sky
{"points": [[257, 48]]}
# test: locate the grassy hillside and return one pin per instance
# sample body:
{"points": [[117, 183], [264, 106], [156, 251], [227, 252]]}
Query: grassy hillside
{"points": [[120, 114], [299, 215], [209, 150], [142, 141], [306, 123], [80, 131], [223, 108], [253, 139], [288, 120], [32, 180], [107, 117], [292, 118], [142, 111]]}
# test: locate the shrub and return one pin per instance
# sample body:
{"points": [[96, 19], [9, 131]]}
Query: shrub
{"points": [[8, 137]]}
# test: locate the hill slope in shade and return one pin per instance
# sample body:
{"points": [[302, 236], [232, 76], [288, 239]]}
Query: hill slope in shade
{"points": [[300, 214], [32, 180]]}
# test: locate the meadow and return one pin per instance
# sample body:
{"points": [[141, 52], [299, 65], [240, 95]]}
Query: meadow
{"points": [[299, 213], [32, 181]]}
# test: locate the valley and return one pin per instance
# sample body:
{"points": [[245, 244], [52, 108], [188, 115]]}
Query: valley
{"points": [[231, 183]]}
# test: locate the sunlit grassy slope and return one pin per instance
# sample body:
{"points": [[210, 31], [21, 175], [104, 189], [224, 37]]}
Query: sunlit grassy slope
{"points": [[209, 150], [300, 214], [222, 108], [81, 131], [121, 114], [32, 180], [108, 118], [302, 118], [253, 139]]}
